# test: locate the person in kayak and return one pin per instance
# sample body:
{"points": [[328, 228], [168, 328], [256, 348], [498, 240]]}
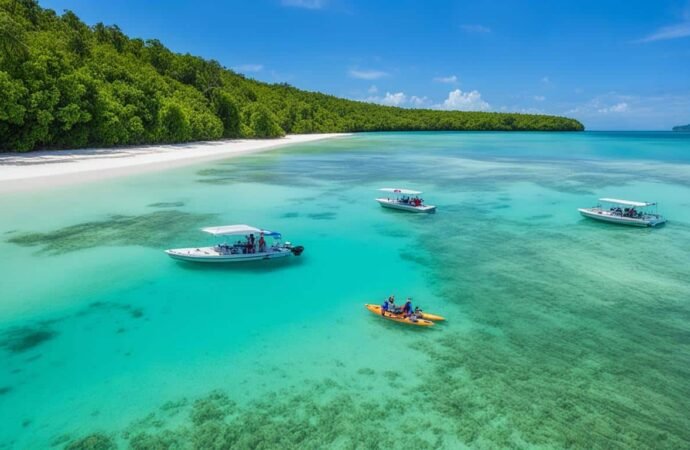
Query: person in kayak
{"points": [[407, 307], [384, 308], [391, 303]]}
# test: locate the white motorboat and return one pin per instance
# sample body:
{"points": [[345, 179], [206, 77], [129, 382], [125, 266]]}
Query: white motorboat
{"points": [[406, 200], [252, 247], [624, 212]]}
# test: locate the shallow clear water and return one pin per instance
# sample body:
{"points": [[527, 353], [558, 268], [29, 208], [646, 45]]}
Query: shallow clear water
{"points": [[562, 332]]}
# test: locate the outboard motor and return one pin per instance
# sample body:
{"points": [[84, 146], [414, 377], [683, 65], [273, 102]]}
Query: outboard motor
{"points": [[297, 250]]}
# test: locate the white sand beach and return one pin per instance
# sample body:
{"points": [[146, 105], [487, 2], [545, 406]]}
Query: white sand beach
{"points": [[44, 169]]}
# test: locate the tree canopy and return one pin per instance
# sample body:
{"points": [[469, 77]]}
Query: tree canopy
{"points": [[64, 84]]}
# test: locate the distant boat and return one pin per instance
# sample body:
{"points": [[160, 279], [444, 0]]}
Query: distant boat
{"points": [[241, 250], [624, 212], [406, 200]]}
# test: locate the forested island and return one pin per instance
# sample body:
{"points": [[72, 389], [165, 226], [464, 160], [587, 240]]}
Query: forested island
{"points": [[64, 84], [682, 128]]}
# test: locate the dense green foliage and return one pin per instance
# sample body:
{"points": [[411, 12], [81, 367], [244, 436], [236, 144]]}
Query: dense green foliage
{"points": [[682, 128], [65, 84]]}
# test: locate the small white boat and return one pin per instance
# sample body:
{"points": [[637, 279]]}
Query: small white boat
{"points": [[624, 212], [241, 250], [406, 200]]}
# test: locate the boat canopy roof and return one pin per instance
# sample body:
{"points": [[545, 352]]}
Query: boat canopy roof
{"points": [[400, 191], [238, 230], [626, 202]]}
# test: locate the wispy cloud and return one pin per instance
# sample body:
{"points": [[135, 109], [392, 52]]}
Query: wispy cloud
{"points": [[449, 79], [367, 74], [617, 108], [675, 31], [475, 28], [245, 68], [614, 110], [465, 101], [611, 103], [306, 4], [680, 30], [545, 80], [539, 98], [373, 89]]}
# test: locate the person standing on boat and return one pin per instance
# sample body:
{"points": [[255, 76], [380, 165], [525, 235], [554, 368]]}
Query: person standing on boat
{"points": [[252, 248], [262, 243]]}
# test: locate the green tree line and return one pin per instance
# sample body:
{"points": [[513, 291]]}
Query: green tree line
{"points": [[64, 84]]}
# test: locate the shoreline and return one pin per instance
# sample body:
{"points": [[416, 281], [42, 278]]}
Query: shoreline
{"points": [[47, 169]]}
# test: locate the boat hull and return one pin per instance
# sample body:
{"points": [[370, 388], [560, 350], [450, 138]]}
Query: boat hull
{"points": [[387, 203], [209, 255], [603, 216]]}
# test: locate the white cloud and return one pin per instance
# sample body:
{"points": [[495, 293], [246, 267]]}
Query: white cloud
{"points": [[449, 79], [539, 98], [372, 89], [545, 80], [475, 28], [397, 99], [244, 68], [306, 4], [367, 74], [617, 108], [418, 102], [465, 101], [680, 30], [400, 99]]}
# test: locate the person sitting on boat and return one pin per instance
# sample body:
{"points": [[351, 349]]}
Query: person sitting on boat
{"points": [[384, 308], [391, 304], [262, 243], [407, 307]]}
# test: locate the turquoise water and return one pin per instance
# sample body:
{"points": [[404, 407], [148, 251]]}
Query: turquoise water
{"points": [[562, 332]]}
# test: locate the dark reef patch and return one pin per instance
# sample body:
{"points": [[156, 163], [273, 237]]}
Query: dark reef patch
{"points": [[156, 230], [105, 306], [5, 390], [23, 339], [568, 344], [322, 415], [322, 216], [290, 215], [96, 441], [166, 205]]}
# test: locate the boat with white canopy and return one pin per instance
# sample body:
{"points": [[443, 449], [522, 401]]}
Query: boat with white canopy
{"points": [[252, 246], [625, 212], [405, 199]]}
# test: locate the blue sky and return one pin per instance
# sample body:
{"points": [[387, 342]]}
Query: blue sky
{"points": [[611, 64]]}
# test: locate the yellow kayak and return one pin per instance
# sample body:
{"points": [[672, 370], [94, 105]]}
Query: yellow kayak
{"points": [[432, 317], [376, 309], [423, 315]]}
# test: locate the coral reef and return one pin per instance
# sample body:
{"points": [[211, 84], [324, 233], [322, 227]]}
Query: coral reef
{"points": [[22, 339], [158, 230]]}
